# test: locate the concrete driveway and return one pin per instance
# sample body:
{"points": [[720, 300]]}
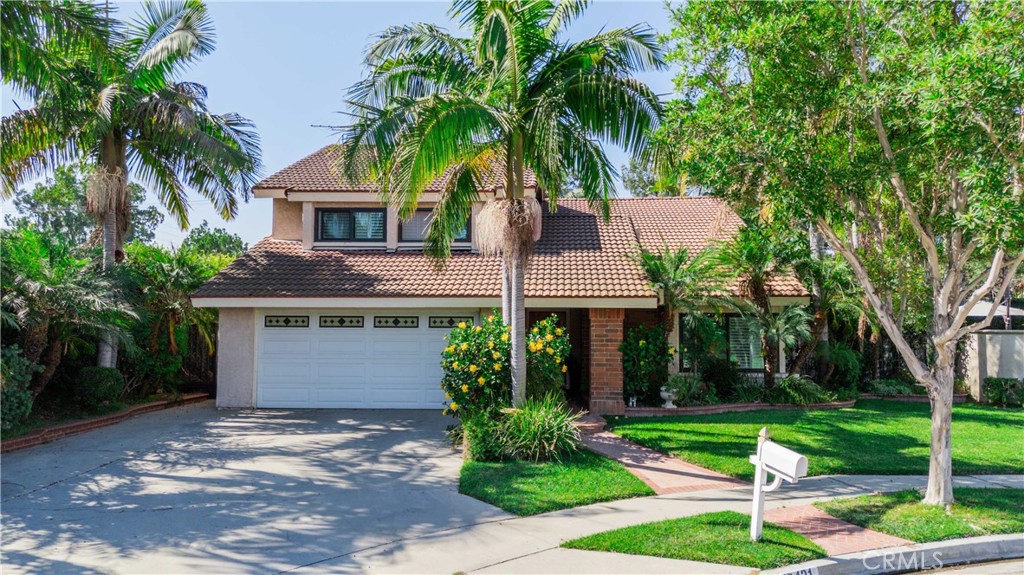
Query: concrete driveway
{"points": [[194, 489]]}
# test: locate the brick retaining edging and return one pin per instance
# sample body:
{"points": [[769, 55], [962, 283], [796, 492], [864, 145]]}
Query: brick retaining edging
{"points": [[48, 434], [728, 408], [957, 397]]}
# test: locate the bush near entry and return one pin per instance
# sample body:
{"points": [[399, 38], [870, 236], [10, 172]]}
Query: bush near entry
{"points": [[645, 360]]}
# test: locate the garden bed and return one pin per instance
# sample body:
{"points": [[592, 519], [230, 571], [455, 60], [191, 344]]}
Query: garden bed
{"points": [[729, 408], [53, 433]]}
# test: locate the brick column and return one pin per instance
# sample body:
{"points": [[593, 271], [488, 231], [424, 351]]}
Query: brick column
{"points": [[606, 361]]}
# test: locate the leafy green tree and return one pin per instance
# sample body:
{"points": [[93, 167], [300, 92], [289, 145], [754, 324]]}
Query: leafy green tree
{"points": [[55, 299], [124, 109], [835, 296], [206, 240], [882, 124], [515, 94], [57, 206], [642, 180]]}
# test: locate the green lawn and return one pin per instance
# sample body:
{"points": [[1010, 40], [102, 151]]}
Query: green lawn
{"points": [[529, 488], [722, 537], [976, 512], [874, 437]]}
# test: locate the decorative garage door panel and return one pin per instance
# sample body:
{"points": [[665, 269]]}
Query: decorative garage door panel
{"points": [[314, 363]]}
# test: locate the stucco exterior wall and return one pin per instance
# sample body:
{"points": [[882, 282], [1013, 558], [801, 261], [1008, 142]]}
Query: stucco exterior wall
{"points": [[993, 354], [236, 360], [287, 220]]}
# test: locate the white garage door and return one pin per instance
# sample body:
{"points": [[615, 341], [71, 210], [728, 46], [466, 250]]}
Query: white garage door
{"points": [[352, 358]]}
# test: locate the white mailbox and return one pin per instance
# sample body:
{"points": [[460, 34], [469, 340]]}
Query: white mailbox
{"points": [[783, 463]]}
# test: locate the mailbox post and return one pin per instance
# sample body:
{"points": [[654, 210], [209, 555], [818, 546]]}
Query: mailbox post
{"points": [[783, 463]]}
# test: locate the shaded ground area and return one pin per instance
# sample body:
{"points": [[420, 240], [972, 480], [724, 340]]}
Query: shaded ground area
{"points": [[874, 437], [194, 489]]}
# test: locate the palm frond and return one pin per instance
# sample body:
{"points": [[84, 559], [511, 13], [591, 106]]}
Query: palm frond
{"points": [[172, 32]]}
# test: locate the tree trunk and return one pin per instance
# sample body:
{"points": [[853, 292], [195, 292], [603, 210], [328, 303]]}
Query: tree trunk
{"points": [[820, 324], [112, 163], [506, 292], [50, 360], [940, 465], [771, 357], [518, 331]]}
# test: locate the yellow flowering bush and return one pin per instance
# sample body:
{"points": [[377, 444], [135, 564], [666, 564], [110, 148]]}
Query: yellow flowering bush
{"points": [[477, 380], [646, 356], [547, 348]]}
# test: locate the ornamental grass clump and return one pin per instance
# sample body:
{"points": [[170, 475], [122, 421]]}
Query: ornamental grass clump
{"points": [[548, 347], [477, 380], [540, 430]]}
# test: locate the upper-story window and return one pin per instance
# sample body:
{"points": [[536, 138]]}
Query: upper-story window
{"points": [[350, 225], [415, 228]]}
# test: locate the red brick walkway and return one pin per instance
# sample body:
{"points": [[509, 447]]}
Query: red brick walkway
{"points": [[662, 473], [835, 536]]}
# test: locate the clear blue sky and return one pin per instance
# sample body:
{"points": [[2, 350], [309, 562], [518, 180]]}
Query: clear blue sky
{"points": [[287, 65]]}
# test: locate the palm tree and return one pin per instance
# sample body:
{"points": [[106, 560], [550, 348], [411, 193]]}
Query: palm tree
{"points": [[836, 295], [753, 257], [38, 36], [52, 296], [790, 327], [125, 111], [513, 94], [687, 285]]}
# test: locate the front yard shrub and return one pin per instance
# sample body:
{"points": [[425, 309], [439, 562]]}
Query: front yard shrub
{"points": [[846, 367], [1006, 391], [797, 390], [688, 390], [15, 395], [98, 386], [540, 430], [723, 374], [645, 360], [748, 389], [477, 378], [484, 437], [547, 346]]}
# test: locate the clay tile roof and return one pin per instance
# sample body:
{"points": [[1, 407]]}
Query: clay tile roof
{"points": [[579, 255], [576, 257], [320, 172]]}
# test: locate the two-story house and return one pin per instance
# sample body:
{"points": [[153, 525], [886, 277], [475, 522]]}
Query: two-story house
{"points": [[339, 307]]}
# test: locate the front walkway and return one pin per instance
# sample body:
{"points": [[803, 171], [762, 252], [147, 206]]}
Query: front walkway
{"points": [[662, 473], [667, 474]]}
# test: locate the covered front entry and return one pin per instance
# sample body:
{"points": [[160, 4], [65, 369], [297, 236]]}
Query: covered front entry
{"points": [[352, 358]]}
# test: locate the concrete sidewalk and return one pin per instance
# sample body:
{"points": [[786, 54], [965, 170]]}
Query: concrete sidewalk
{"points": [[532, 544]]}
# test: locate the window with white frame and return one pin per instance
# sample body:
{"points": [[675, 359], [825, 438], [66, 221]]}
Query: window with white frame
{"points": [[415, 228], [350, 225], [744, 337]]}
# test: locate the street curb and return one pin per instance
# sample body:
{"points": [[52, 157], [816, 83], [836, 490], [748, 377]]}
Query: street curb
{"points": [[49, 434], [917, 557]]}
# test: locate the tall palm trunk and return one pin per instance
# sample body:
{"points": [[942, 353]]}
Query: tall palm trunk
{"points": [[518, 330], [109, 189]]}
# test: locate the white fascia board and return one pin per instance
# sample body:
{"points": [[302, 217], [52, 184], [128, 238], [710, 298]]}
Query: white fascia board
{"points": [[278, 193], [417, 302]]}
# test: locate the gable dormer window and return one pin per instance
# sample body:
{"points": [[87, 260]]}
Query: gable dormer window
{"points": [[350, 225], [415, 228]]}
